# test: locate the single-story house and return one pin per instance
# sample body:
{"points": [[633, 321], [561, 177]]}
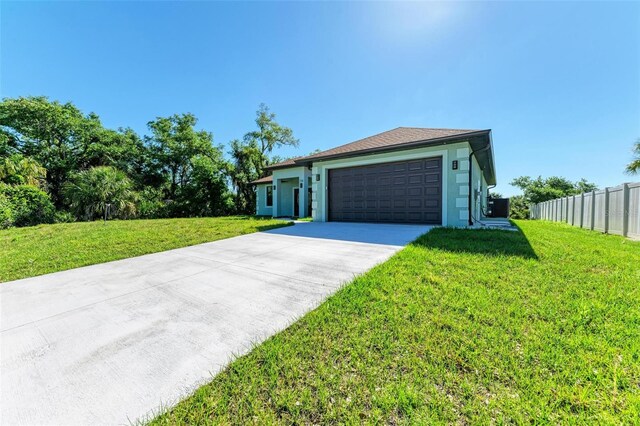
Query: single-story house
{"points": [[404, 175]]}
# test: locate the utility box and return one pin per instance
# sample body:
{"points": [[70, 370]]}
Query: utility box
{"points": [[498, 207]]}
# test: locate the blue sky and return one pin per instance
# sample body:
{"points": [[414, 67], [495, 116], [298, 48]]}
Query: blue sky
{"points": [[559, 83]]}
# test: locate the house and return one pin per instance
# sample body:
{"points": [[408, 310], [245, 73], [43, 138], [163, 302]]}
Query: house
{"points": [[404, 175]]}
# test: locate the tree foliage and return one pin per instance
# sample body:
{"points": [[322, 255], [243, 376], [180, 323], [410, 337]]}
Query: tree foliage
{"points": [[17, 169], [24, 205], [634, 166], [268, 136], [540, 189], [175, 170]]}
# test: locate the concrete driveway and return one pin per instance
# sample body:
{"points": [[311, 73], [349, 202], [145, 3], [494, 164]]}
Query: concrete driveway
{"points": [[111, 343]]}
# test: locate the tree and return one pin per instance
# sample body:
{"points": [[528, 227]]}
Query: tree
{"points": [[539, 190], [90, 191], [268, 136], [207, 192], [193, 166], [634, 166], [17, 169], [122, 149], [58, 136], [246, 168], [518, 207], [251, 155]]}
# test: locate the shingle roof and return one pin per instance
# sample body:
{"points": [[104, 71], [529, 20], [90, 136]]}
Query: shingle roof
{"points": [[266, 179], [390, 138], [385, 140]]}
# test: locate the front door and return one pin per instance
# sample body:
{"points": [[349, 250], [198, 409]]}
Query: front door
{"points": [[296, 202]]}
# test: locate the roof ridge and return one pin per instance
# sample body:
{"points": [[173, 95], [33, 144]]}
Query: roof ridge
{"points": [[438, 128]]}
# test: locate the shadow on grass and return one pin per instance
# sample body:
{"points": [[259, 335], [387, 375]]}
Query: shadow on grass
{"points": [[489, 242], [263, 228]]}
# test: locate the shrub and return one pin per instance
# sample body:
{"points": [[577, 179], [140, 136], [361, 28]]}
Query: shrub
{"points": [[64, 217], [29, 205], [6, 212], [90, 191], [518, 207], [152, 205]]}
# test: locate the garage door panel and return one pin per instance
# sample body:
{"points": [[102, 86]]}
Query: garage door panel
{"points": [[407, 192], [415, 165], [414, 192], [415, 179]]}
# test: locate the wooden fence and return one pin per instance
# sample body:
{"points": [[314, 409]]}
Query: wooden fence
{"points": [[614, 210]]}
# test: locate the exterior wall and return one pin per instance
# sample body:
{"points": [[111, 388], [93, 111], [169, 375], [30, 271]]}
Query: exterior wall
{"points": [[454, 182], [261, 200], [285, 180]]}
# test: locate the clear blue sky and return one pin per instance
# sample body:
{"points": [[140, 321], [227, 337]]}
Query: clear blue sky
{"points": [[559, 83]]}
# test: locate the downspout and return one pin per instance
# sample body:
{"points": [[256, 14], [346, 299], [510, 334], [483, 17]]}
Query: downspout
{"points": [[471, 178]]}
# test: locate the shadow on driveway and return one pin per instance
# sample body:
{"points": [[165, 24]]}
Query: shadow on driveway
{"points": [[370, 233]]}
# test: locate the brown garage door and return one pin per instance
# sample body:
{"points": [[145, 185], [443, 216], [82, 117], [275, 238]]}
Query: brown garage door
{"points": [[401, 192]]}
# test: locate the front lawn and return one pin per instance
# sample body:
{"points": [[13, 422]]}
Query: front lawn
{"points": [[38, 250], [462, 326]]}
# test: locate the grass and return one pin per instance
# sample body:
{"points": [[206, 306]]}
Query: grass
{"points": [[37, 250], [462, 326]]}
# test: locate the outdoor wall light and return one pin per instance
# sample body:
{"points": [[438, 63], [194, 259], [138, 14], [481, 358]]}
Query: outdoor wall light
{"points": [[317, 177], [274, 187], [300, 184]]}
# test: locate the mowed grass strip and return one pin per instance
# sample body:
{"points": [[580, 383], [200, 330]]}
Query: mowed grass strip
{"points": [[37, 250], [462, 326]]}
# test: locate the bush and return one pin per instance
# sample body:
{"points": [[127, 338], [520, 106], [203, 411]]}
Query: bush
{"points": [[518, 208], [29, 205], [152, 205]]}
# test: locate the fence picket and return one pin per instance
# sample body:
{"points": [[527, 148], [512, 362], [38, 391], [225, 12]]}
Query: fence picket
{"points": [[614, 210]]}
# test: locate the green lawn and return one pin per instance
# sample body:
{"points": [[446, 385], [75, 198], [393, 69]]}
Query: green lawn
{"points": [[38, 250], [462, 326]]}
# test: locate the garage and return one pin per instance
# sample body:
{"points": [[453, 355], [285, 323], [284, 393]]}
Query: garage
{"points": [[398, 192]]}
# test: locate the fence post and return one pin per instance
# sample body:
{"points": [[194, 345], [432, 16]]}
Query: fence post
{"points": [[593, 209], [581, 209], [625, 210], [573, 210], [606, 210]]}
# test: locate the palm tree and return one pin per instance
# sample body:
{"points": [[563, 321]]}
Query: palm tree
{"points": [[91, 192], [634, 166], [18, 170]]}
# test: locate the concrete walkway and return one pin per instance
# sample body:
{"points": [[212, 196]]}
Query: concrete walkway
{"points": [[111, 343]]}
